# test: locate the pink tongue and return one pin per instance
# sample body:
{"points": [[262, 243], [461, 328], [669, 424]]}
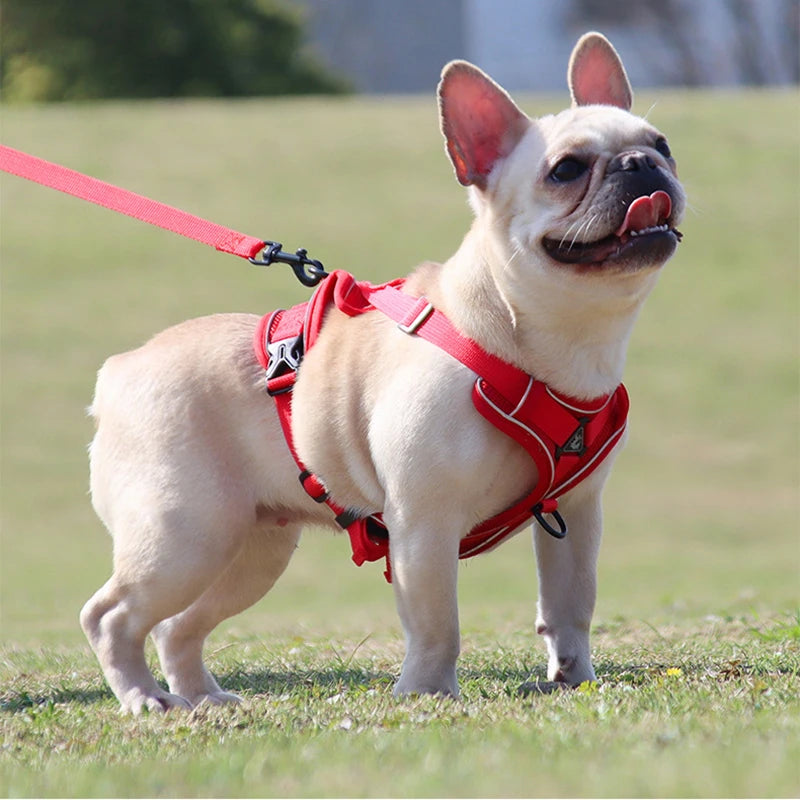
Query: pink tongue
{"points": [[646, 212]]}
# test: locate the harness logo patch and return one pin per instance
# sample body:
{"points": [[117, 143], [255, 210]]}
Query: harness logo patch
{"points": [[576, 444]]}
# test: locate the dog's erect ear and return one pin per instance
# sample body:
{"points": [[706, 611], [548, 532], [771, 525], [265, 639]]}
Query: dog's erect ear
{"points": [[480, 122], [596, 75]]}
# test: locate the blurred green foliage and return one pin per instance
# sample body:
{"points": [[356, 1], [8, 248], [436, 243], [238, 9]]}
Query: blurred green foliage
{"points": [[55, 50]]}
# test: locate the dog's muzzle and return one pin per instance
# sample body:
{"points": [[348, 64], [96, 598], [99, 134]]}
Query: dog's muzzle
{"points": [[644, 234]]}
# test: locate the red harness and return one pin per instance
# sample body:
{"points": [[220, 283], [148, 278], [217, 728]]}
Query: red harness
{"points": [[566, 438]]}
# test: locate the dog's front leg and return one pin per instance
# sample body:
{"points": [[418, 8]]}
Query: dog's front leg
{"points": [[568, 587], [424, 575]]}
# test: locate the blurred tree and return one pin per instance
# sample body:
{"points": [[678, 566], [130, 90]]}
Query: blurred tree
{"points": [[88, 49]]}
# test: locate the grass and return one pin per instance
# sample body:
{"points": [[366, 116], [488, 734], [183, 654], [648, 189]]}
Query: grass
{"points": [[697, 633], [321, 722]]}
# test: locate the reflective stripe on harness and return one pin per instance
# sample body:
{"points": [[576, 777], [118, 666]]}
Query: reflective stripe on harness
{"points": [[566, 438]]}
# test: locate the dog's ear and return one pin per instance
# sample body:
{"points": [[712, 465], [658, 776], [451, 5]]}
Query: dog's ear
{"points": [[596, 75], [480, 122]]}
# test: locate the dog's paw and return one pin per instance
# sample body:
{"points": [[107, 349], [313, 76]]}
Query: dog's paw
{"points": [[445, 687], [217, 699], [571, 670], [139, 701]]}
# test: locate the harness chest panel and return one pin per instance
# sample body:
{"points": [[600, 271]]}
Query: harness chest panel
{"points": [[566, 438]]}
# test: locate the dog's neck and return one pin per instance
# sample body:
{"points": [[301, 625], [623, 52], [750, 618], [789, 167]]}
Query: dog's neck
{"points": [[572, 331]]}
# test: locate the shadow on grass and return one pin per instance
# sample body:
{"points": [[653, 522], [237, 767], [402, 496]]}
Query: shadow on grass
{"points": [[333, 679], [489, 680], [353, 678], [22, 701]]}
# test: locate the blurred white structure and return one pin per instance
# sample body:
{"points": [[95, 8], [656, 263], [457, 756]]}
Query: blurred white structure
{"points": [[401, 45]]}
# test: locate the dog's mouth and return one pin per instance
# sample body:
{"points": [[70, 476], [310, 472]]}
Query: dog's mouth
{"points": [[644, 236]]}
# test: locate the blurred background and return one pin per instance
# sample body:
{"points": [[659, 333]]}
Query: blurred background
{"points": [[90, 49]]}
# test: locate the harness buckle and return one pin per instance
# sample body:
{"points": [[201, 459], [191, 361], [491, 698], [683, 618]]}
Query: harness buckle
{"points": [[285, 356], [421, 310]]}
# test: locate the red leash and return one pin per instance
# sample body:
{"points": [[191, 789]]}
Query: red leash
{"points": [[134, 205]]}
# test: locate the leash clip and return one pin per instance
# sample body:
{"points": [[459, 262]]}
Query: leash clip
{"points": [[308, 271]]}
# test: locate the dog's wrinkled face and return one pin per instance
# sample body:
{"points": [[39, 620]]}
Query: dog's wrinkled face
{"points": [[608, 192], [601, 192]]}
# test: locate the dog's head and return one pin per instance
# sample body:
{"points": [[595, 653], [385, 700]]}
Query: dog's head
{"points": [[592, 189]]}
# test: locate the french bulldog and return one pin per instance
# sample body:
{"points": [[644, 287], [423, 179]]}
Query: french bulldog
{"points": [[575, 213]]}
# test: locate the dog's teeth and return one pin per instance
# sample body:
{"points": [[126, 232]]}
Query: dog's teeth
{"points": [[653, 229]]}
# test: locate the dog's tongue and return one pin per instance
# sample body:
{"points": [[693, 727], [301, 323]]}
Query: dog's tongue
{"points": [[646, 212]]}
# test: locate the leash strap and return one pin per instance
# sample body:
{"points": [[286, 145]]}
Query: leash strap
{"points": [[54, 176]]}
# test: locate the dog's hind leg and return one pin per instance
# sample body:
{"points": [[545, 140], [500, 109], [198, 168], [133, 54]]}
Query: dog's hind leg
{"points": [[184, 449], [172, 540], [252, 573], [117, 633], [155, 577]]}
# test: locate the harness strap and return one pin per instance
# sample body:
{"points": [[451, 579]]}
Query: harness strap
{"points": [[276, 335], [416, 316]]}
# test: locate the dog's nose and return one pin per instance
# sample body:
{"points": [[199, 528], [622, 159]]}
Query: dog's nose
{"points": [[632, 161]]}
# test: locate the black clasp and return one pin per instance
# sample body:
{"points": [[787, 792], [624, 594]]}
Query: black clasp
{"points": [[557, 533], [309, 271], [285, 356]]}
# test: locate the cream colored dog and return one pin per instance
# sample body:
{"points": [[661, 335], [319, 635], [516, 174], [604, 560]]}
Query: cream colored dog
{"points": [[190, 470]]}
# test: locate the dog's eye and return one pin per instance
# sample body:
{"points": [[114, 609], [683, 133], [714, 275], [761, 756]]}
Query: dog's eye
{"points": [[568, 169], [662, 147]]}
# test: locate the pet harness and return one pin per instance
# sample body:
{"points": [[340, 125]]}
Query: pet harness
{"points": [[566, 438]]}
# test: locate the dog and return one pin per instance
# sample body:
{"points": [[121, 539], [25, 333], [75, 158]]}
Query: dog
{"points": [[575, 214]]}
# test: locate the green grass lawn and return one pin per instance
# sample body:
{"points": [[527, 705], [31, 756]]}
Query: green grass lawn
{"points": [[697, 631]]}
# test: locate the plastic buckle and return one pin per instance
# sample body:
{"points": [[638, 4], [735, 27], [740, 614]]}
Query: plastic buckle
{"points": [[285, 356]]}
